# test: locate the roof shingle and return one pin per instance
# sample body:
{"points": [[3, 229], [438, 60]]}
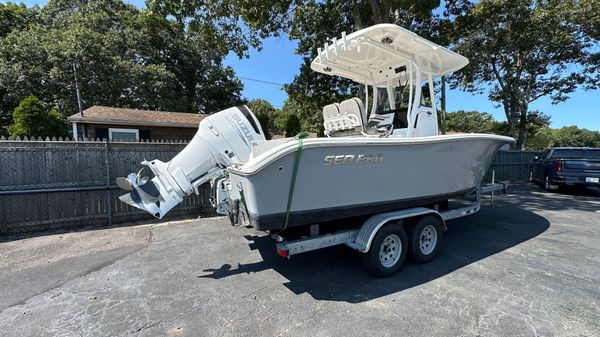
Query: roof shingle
{"points": [[121, 116]]}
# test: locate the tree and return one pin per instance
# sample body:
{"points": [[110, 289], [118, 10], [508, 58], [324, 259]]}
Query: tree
{"points": [[57, 125], [15, 17], [535, 120], [542, 139], [574, 136], [547, 137], [469, 121], [229, 25], [122, 56], [31, 118], [316, 22], [265, 113], [292, 126], [524, 50], [309, 112]]}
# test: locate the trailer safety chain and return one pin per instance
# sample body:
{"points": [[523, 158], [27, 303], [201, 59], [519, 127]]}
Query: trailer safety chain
{"points": [[299, 137]]}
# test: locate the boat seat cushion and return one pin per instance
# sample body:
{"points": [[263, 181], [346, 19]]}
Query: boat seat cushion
{"points": [[354, 106], [331, 111], [344, 119]]}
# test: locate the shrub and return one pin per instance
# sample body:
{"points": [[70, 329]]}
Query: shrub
{"points": [[31, 118]]}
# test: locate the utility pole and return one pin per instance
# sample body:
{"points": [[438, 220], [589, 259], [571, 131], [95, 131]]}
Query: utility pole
{"points": [[77, 89]]}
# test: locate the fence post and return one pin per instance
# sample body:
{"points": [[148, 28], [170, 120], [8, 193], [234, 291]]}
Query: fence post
{"points": [[108, 192], [502, 169]]}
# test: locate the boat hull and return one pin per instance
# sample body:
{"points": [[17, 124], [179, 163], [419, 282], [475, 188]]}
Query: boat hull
{"points": [[352, 177]]}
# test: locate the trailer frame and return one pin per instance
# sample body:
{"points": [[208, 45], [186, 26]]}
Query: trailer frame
{"points": [[361, 239]]}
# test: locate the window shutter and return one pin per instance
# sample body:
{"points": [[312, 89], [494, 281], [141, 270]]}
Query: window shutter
{"points": [[145, 135], [102, 133]]}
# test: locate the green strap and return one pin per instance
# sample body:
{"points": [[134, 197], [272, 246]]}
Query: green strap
{"points": [[300, 136], [244, 203]]}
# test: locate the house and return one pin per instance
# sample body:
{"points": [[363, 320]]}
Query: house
{"points": [[133, 124]]}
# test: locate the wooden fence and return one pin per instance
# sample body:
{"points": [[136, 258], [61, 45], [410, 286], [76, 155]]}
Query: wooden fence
{"points": [[46, 184], [511, 166]]}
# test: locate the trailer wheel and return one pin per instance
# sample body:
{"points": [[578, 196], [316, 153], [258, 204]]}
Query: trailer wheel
{"points": [[388, 251], [425, 236]]}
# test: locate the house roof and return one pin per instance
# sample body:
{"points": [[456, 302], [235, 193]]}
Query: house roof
{"points": [[121, 116]]}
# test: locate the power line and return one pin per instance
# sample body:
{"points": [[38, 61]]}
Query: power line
{"points": [[261, 81]]}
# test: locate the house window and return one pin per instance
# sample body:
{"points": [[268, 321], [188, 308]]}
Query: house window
{"points": [[128, 135]]}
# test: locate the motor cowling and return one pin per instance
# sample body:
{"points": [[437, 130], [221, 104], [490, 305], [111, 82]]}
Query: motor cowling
{"points": [[223, 139]]}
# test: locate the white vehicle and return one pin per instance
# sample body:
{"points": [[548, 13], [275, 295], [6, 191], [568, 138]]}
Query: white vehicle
{"points": [[386, 158]]}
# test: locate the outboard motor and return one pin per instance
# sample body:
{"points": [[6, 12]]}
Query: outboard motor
{"points": [[223, 138]]}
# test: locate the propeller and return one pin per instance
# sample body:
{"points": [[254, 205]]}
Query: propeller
{"points": [[131, 181]]}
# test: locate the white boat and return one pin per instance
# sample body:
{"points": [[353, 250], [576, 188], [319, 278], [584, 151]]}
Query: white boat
{"points": [[381, 153]]}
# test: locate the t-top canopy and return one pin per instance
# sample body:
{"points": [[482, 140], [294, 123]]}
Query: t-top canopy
{"points": [[380, 53]]}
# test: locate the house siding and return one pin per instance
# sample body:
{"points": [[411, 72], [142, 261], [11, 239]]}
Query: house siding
{"points": [[156, 133]]}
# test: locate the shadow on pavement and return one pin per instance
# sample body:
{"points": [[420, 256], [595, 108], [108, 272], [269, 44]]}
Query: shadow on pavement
{"points": [[335, 273], [533, 197]]}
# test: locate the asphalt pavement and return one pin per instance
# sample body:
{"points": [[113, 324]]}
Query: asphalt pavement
{"points": [[529, 266]]}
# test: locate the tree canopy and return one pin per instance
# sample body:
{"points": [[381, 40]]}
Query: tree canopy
{"points": [[266, 114], [316, 22], [469, 121], [547, 137], [522, 50], [122, 56], [542, 136], [169, 56]]}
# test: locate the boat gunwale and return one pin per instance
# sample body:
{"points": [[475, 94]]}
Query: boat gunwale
{"points": [[258, 163]]}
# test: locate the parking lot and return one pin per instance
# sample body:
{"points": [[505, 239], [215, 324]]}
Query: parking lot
{"points": [[529, 266]]}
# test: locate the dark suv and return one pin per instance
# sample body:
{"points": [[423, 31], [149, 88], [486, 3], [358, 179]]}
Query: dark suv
{"points": [[567, 166]]}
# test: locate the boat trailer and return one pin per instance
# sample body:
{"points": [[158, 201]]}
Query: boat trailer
{"points": [[385, 239]]}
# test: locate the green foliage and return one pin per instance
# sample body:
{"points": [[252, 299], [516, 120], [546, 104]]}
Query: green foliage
{"points": [[15, 17], [483, 122], [57, 125], [265, 113], [542, 139], [292, 125], [316, 22], [523, 50], [124, 57], [574, 136], [309, 112], [279, 122], [229, 25], [469, 121], [535, 120], [31, 118], [546, 137]]}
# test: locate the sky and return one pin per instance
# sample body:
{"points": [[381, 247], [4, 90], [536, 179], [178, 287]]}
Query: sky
{"points": [[278, 63]]}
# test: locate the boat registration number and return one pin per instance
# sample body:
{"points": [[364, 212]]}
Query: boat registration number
{"points": [[592, 180]]}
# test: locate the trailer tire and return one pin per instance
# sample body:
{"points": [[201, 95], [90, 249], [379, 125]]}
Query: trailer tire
{"points": [[387, 252], [425, 236]]}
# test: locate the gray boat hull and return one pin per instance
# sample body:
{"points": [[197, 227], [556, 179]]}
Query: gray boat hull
{"points": [[340, 178]]}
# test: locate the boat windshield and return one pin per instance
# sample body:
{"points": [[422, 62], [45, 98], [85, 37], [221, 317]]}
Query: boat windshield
{"points": [[392, 100]]}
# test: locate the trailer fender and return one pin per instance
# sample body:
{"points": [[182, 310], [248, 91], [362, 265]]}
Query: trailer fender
{"points": [[373, 224]]}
